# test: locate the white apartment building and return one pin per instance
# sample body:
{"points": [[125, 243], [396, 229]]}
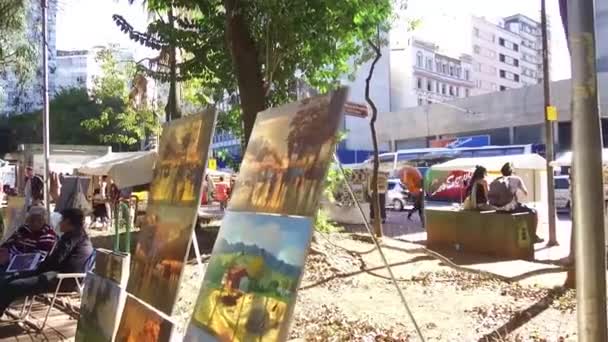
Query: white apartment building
{"points": [[529, 32], [78, 68], [18, 96], [420, 74], [506, 55]]}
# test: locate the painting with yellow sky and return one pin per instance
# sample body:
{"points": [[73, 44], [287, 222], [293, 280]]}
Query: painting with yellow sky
{"points": [[287, 157], [182, 157]]}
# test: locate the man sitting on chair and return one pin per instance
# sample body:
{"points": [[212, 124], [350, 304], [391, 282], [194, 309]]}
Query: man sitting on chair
{"points": [[70, 256], [35, 236]]}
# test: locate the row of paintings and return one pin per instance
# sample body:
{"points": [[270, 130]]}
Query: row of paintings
{"points": [[250, 285], [112, 265]]}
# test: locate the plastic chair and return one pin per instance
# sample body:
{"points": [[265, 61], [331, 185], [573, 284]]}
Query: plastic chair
{"points": [[51, 298]]}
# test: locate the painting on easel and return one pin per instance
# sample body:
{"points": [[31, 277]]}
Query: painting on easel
{"points": [[164, 238]]}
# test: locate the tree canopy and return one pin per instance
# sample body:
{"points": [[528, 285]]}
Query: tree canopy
{"points": [[257, 50], [16, 52]]}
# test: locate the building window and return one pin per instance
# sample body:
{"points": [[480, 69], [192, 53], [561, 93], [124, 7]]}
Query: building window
{"points": [[438, 66], [458, 72], [452, 91], [516, 77], [451, 70], [429, 85], [443, 89], [509, 45], [444, 68], [429, 102], [419, 59], [457, 91], [429, 64], [503, 73], [467, 92], [476, 32], [477, 49], [437, 85], [420, 101], [503, 88], [467, 75], [419, 83], [509, 75]]}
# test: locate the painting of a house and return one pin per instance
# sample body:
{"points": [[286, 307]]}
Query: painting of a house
{"points": [[237, 278], [249, 287]]}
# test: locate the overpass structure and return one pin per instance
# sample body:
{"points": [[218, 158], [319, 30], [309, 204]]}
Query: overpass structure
{"points": [[509, 117]]}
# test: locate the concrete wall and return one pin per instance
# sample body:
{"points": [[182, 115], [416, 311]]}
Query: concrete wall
{"points": [[514, 108], [359, 137]]}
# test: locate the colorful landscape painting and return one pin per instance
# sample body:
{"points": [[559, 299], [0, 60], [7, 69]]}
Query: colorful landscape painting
{"points": [[287, 157], [182, 158], [139, 323], [102, 303], [157, 263], [164, 238], [112, 265], [250, 284]]}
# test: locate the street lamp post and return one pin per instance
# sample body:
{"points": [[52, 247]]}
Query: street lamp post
{"points": [[588, 201], [549, 141], [45, 112]]}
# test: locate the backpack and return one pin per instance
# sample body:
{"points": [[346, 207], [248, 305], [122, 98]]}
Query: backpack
{"points": [[78, 199], [500, 194]]}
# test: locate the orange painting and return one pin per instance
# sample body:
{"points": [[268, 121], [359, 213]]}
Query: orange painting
{"points": [[142, 324]]}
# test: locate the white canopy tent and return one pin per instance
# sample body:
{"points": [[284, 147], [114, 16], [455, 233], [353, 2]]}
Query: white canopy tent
{"points": [[126, 168], [532, 169], [566, 159]]}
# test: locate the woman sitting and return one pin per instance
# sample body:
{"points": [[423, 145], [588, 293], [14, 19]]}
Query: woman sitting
{"points": [[477, 191]]}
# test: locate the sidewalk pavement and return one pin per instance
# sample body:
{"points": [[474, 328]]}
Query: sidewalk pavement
{"points": [[409, 235]]}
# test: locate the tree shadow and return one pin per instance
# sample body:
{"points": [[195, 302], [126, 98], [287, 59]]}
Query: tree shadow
{"points": [[369, 271], [524, 316]]}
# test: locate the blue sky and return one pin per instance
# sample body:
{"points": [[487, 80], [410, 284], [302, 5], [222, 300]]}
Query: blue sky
{"points": [[285, 237], [85, 23]]}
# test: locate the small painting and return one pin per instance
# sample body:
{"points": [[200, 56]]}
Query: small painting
{"points": [[250, 285], [182, 158], [284, 167], [140, 323], [112, 265], [102, 303], [159, 256]]}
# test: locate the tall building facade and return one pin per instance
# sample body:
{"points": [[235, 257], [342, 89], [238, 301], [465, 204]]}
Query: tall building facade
{"points": [[19, 96], [506, 55], [421, 74], [78, 68]]}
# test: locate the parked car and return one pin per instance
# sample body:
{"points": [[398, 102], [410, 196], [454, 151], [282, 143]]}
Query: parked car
{"points": [[397, 195], [562, 193]]}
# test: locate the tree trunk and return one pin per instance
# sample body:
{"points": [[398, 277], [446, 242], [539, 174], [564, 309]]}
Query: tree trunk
{"points": [[247, 66], [172, 110], [571, 277], [375, 198]]}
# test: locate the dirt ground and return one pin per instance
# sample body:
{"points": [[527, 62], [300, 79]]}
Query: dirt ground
{"points": [[346, 295]]}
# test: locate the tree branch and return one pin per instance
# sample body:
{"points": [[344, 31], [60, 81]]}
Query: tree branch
{"points": [[375, 198]]}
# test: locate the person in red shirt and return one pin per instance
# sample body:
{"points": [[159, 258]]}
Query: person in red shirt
{"points": [[35, 236], [221, 193]]}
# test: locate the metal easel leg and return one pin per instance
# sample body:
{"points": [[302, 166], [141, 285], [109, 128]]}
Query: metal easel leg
{"points": [[377, 243], [197, 252]]}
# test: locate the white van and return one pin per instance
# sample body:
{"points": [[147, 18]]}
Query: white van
{"points": [[562, 193]]}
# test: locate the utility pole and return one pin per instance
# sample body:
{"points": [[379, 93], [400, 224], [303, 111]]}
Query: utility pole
{"points": [[588, 191], [550, 154], [45, 111]]}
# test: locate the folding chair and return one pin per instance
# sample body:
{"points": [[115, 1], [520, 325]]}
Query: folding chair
{"points": [[52, 298]]}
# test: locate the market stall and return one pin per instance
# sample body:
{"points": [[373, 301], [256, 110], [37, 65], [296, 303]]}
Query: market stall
{"points": [[127, 169]]}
